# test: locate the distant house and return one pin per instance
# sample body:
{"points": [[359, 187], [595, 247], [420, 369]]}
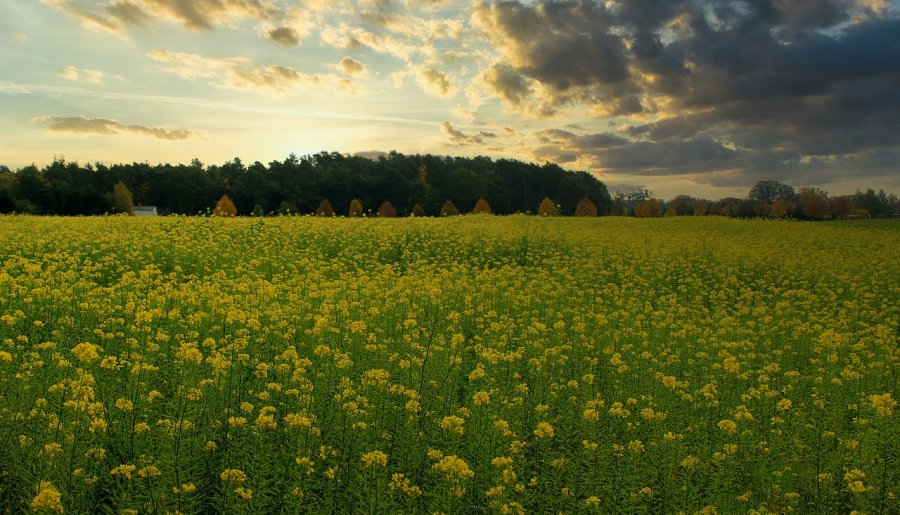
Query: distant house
{"points": [[145, 211]]}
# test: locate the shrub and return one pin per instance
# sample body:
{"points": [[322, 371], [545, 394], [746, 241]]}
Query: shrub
{"points": [[449, 209], [482, 207], [387, 210], [325, 208], [547, 208], [585, 207], [225, 207], [418, 210], [356, 209]]}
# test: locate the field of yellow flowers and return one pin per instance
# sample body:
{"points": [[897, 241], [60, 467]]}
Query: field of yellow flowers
{"points": [[459, 365]]}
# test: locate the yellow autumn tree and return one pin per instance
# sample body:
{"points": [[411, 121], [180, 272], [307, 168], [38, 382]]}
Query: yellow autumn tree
{"points": [[225, 207], [418, 211], [387, 210], [547, 208], [585, 207], [482, 207], [356, 209]]}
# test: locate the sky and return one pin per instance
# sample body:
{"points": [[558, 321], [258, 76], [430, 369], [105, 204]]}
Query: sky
{"points": [[697, 97]]}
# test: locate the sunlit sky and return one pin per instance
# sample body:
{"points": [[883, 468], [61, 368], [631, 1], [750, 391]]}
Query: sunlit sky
{"points": [[694, 97]]}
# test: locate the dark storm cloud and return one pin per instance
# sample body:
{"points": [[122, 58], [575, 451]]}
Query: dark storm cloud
{"points": [[566, 46], [738, 89]]}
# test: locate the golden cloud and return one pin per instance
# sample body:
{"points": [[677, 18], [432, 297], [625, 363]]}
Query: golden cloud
{"points": [[108, 127]]}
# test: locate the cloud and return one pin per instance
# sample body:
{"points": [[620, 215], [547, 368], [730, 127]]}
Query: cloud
{"points": [[374, 155], [459, 138], [21, 37], [244, 73], [724, 90], [351, 66], [120, 16], [11, 88], [285, 36], [435, 82], [566, 47], [351, 38], [504, 81], [107, 127], [71, 73]]}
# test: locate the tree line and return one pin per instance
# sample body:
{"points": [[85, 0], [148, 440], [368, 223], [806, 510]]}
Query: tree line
{"points": [[426, 184], [329, 183], [768, 198]]}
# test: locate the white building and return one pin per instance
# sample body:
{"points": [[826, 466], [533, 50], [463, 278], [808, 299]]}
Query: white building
{"points": [[144, 211]]}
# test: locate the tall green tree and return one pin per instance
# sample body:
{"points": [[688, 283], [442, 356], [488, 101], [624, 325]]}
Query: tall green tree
{"points": [[770, 191]]}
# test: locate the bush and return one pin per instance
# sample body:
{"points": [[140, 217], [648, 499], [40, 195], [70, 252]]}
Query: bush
{"points": [[418, 211], [356, 209], [387, 210], [225, 207], [482, 207], [585, 207], [325, 208], [449, 209], [547, 207]]}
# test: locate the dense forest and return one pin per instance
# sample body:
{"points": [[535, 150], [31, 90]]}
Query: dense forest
{"points": [[408, 184], [299, 185]]}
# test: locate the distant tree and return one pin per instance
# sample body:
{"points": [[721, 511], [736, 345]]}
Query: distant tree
{"points": [[585, 207], [683, 205], [122, 199], [761, 208], [649, 208], [224, 207], [671, 211], [875, 204], [7, 186], [449, 209], [418, 211], [815, 203], [387, 210], [547, 208], [258, 210], [841, 207], [356, 208], [626, 202], [325, 209], [701, 208], [482, 207], [286, 208], [728, 209], [770, 191], [779, 208]]}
